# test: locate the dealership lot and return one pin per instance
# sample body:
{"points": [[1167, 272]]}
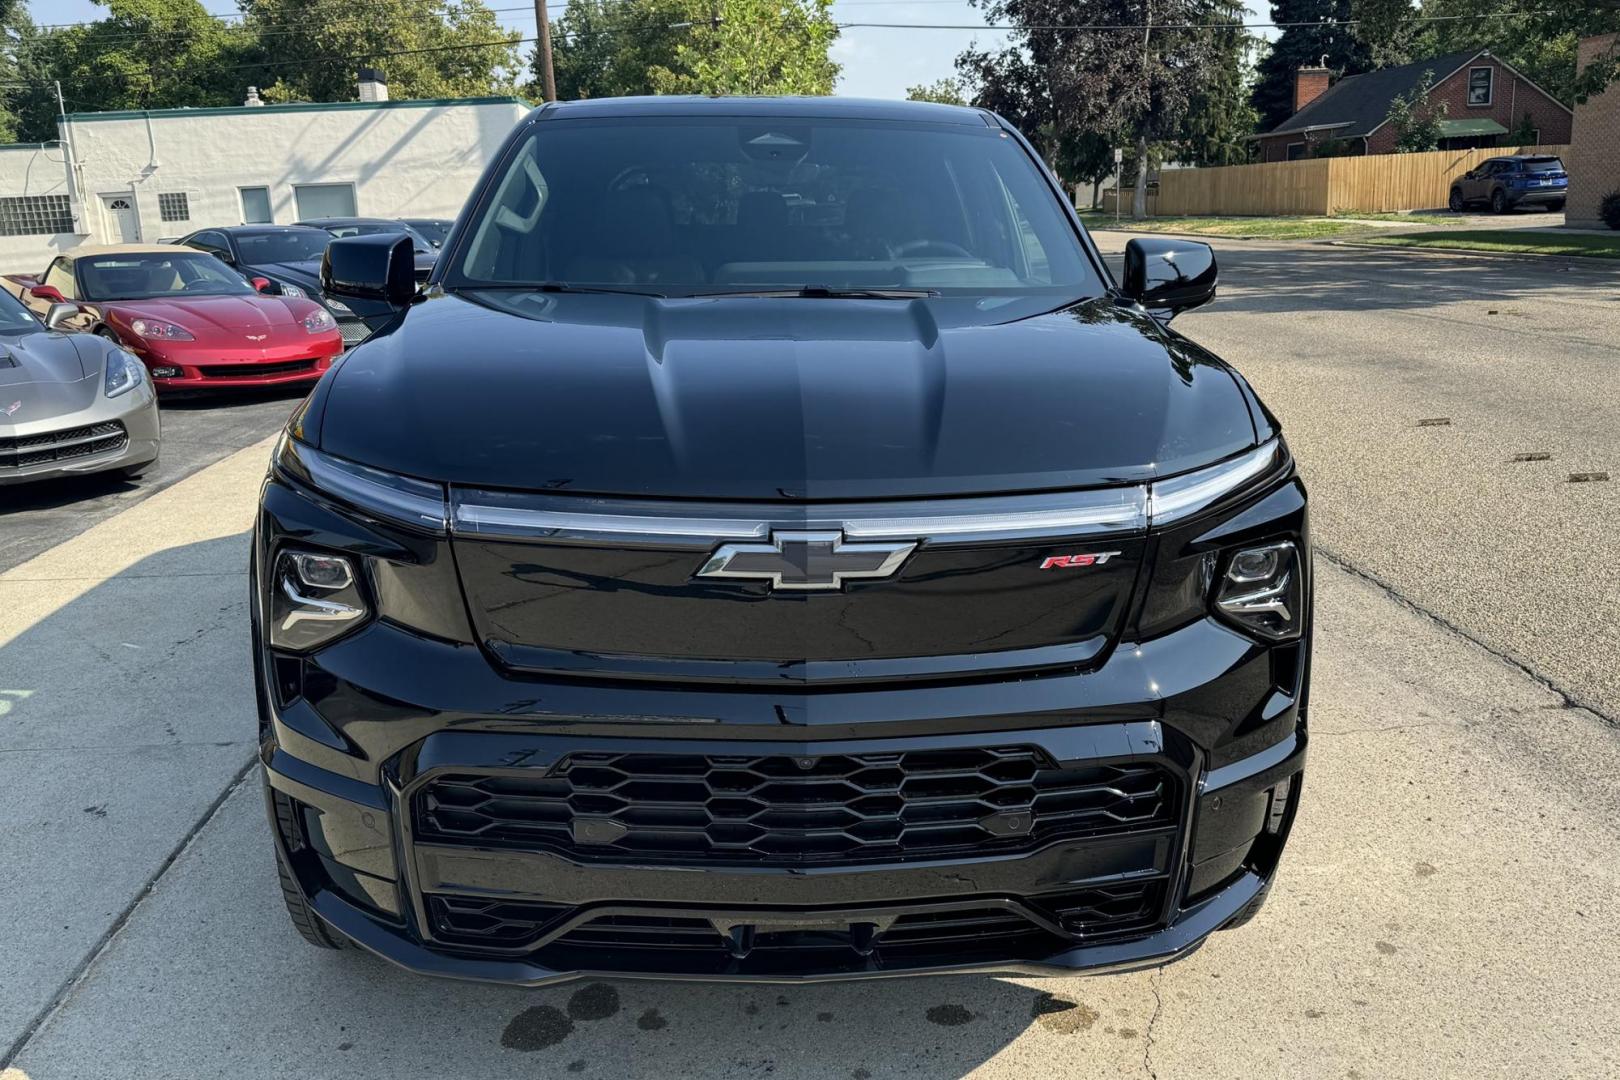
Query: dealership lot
{"points": [[1446, 907]]}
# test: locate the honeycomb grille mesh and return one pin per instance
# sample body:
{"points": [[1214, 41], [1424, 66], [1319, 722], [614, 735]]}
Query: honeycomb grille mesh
{"points": [[788, 810]]}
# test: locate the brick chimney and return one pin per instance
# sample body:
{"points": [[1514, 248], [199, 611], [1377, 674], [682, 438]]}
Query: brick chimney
{"points": [[1310, 83], [373, 85]]}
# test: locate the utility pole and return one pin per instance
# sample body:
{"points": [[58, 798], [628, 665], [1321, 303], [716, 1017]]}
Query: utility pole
{"points": [[69, 160], [548, 77]]}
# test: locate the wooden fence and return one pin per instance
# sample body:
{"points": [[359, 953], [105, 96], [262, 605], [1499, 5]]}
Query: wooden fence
{"points": [[1379, 184]]}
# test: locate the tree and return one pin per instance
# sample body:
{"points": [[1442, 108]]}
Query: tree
{"points": [[1415, 119], [1328, 42], [310, 50], [1222, 113], [943, 92], [753, 47], [609, 48], [1063, 74]]}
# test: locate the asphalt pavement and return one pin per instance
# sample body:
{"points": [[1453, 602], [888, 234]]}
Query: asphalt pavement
{"points": [[1447, 907]]}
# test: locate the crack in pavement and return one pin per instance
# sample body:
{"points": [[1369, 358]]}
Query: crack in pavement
{"points": [[82, 969], [1148, 1037]]}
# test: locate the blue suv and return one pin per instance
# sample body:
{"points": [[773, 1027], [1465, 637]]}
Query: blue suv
{"points": [[1504, 183]]}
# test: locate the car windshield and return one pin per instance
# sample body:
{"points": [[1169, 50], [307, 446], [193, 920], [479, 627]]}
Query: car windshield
{"points": [[1542, 164], [433, 231], [379, 228], [688, 206], [142, 276], [292, 245], [13, 316]]}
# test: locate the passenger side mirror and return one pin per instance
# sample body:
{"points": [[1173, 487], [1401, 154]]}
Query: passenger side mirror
{"points": [[48, 293], [57, 315], [1169, 276], [262, 284], [376, 267]]}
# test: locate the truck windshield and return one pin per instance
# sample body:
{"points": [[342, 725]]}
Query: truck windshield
{"points": [[693, 206]]}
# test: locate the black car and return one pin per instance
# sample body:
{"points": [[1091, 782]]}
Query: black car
{"points": [[434, 230], [425, 251], [1505, 183], [774, 546], [289, 256]]}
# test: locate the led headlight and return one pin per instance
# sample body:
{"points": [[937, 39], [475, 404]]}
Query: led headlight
{"points": [[314, 599], [319, 321], [124, 372], [1261, 591]]}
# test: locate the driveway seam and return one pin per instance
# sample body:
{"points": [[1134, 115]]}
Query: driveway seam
{"points": [[82, 969], [1569, 698]]}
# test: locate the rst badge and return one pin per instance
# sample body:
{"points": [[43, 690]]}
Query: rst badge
{"points": [[1074, 562]]}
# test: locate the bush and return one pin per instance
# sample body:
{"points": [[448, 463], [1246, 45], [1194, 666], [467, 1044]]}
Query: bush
{"points": [[1609, 209]]}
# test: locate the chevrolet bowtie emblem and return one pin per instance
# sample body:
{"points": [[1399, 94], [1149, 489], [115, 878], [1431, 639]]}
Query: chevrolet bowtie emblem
{"points": [[806, 560], [13, 407]]}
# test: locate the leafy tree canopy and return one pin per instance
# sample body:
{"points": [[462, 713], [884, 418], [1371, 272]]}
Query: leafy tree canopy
{"points": [[943, 92], [1416, 120], [1328, 42]]}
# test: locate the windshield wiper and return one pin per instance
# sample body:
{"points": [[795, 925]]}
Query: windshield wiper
{"points": [[826, 292], [552, 287]]}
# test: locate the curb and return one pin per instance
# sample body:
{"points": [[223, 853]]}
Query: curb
{"points": [[1511, 256]]}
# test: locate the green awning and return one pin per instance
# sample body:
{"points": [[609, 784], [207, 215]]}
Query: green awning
{"points": [[1466, 129]]}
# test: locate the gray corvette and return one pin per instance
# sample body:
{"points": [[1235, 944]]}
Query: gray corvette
{"points": [[70, 403]]}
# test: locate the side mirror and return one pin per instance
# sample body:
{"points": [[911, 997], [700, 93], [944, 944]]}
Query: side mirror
{"points": [[377, 267], [57, 315], [261, 284], [1169, 276], [48, 293]]}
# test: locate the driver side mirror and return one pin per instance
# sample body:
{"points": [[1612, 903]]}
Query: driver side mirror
{"points": [[48, 293], [1169, 276], [377, 267], [57, 315]]}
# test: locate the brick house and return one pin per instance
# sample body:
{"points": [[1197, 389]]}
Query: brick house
{"points": [[1594, 153], [1485, 100]]}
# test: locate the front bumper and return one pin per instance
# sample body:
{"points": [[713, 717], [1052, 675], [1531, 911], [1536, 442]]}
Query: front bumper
{"points": [[302, 364], [83, 442]]}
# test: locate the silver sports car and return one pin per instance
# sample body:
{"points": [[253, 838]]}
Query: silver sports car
{"points": [[70, 403]]}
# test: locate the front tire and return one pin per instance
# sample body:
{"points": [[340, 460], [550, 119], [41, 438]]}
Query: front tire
{"points": [[1499, 203], [304, 920], [1457, 203]]}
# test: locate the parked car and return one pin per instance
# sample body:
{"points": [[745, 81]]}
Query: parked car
{"points": [[423, 248], [435, 230], [190, 318], [290, 257], [70, 404], [778, 548], [1505, 183]]}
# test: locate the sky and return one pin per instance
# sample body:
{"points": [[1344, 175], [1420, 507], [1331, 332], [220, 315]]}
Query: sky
{"points": [[876, 62]]}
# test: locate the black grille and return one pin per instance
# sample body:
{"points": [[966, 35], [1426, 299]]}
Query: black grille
{"points": [[23, 451], [353, 331], [254, 371], [774, 810], [1090, 915]]}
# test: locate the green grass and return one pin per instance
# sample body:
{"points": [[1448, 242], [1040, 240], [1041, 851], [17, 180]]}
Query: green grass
{"points": [[1511, 241], [1252, 228], [1411, 219]]}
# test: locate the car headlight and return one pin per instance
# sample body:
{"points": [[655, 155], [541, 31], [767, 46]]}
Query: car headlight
{"points": [[124, 372], [158, 330], [402, 500], [338, 306], [314, 599], [293, 291], [319, 321], [1261, 593]]}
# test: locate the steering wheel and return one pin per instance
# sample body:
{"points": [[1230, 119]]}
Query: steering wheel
{"points": [[932, 247]]}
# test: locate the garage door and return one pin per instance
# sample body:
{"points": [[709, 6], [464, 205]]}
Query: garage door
{"points": [[324, 200]]}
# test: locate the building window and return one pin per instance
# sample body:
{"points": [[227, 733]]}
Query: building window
{"points": [[1479, 86], [256, 206], [35, 215], [1296, 151], [173, 206], [324, 200]]}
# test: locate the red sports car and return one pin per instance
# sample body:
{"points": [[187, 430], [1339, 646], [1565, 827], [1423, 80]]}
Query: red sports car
{"points": [[190, 318]]}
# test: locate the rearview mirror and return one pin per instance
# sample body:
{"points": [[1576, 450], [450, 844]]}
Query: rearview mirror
{"points": [[377, 267], [48, 293], [57, 315], [1169, 276]]}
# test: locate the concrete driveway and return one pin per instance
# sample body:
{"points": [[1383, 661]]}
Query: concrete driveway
{"points": [[1447, 908]]}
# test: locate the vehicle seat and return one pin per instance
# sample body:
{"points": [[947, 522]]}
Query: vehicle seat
{"points": [[634, 243]]}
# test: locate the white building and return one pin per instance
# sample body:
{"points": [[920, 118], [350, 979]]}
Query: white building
{"points": [[148, 175]]}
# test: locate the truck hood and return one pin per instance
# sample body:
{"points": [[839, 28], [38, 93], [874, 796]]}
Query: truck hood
{"points": [[767, 398]]}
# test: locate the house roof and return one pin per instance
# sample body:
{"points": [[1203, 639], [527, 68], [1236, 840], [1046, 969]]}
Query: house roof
{"points": [[1355, 106]]}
